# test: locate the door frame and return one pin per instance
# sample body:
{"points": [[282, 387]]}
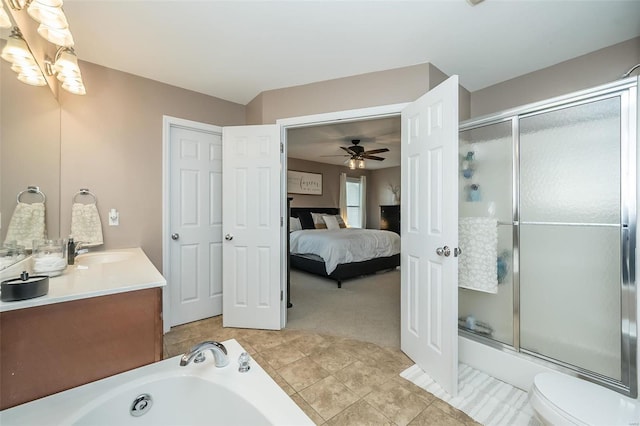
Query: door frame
{"points": [[167, 123], [359, 114]]}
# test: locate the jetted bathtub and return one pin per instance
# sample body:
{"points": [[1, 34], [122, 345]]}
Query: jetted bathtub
{"points": [[196, 394]]}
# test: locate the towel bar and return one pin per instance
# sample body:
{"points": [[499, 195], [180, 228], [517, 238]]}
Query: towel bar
{"points": [[31, 190], [85, 191]]}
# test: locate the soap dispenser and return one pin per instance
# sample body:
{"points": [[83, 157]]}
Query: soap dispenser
{"points": [[71, 251]]}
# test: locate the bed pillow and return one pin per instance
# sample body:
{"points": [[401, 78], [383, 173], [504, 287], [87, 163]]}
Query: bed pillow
{"points": [[340, 221], [294, 224], [306, 220], [318, 222], [331, 222]]}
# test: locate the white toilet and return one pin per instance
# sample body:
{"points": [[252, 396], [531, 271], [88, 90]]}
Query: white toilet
{"points": [[559, 399]]}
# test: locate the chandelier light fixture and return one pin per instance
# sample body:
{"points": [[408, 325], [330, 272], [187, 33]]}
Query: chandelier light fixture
{"points": [[17, 53], [65, 68], [53, 27]]}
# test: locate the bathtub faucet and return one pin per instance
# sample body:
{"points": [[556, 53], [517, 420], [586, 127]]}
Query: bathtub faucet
{"points": [[196, 354]]}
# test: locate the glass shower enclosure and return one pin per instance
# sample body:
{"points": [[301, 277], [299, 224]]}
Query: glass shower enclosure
{"points": [[555, 184]]}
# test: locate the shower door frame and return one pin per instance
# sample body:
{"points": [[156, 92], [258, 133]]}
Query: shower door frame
{"points": [[627, 91]]}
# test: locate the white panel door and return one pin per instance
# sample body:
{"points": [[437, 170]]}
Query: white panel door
{"points": [[251, 223], [196, 224], [429, 279]]}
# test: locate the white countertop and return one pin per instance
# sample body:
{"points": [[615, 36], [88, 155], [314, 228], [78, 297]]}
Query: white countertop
{"points": [[134, 271]]}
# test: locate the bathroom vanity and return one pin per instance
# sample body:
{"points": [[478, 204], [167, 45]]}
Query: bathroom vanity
{"points": [[101, 317]]}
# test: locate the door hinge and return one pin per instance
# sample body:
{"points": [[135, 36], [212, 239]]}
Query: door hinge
{"points": [[281, 295], [281, 147], [281, 221]]}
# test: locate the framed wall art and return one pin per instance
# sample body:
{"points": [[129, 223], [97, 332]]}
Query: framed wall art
{"points": [[304, 183]]}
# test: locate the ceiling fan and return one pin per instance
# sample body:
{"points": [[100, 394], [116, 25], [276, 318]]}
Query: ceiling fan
{"points": [[358, 153]]}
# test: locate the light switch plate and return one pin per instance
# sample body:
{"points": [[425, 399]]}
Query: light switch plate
{"points": [[114, 217]]}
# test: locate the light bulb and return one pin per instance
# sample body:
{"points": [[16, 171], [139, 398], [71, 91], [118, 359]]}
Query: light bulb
{"points": [[361, 164], [352, 164]]}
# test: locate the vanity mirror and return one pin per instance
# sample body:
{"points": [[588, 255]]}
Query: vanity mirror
{"points": [[29, 148]]}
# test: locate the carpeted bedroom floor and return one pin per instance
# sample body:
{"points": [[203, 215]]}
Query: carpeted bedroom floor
{"points": [[365, 308]]}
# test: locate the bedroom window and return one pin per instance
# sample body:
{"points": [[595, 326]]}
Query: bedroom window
{"points": [[354, 199]]}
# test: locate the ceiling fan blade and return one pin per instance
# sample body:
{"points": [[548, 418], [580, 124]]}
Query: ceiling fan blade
{"points": [[376, 151], [337, 155], [372, 157], [348, 150]]}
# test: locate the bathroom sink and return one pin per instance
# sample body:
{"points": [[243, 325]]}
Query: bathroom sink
{"points": [[106, 257]]}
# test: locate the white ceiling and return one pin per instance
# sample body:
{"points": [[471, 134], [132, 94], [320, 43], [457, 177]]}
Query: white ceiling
{"points": [[322, 143], [235, 50]]}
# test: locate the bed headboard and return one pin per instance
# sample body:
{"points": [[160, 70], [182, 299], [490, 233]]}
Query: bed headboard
{"points": [[304, 214]]}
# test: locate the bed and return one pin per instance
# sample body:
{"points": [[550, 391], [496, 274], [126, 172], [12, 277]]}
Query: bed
{"points": [[339, 254]]}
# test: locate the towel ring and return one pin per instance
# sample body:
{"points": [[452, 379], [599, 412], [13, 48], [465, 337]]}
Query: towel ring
{"points": [[85, 191], [31, 190]]}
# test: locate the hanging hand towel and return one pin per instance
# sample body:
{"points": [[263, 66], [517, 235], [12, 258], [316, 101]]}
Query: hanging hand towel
{"points": [[86, 227], [477, 264], [26, 225]]}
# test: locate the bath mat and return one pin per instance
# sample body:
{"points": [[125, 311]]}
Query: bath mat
{"points": [[485, 399]]}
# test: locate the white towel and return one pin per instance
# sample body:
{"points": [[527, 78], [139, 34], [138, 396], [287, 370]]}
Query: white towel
{"points": [[26, 225], [86, 227], [477, 264]]}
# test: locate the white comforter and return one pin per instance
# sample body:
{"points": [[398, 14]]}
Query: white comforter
{"points": [[344, 245]]}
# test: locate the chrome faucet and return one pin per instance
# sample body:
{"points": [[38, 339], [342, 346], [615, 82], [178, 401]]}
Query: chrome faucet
{"points": [[80, 250], [73, 250], [196, 354]]}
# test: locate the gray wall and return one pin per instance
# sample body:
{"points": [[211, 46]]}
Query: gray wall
{"points": [[378, 192], [111, 143], [361, 91], [595, 68]]}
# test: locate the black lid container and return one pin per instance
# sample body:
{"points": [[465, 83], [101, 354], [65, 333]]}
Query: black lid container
{"points": [[25, 287]]}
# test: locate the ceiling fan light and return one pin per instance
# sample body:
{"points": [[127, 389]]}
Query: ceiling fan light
{"points": [[352, 164], [361, 164]]}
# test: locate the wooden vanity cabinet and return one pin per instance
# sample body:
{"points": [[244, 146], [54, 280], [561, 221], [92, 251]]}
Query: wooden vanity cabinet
{"points": [[51, 348]]}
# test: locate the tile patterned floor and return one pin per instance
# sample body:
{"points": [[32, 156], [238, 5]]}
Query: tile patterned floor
{"points": [[336, 381]]}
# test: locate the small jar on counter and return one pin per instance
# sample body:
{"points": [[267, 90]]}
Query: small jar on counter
{"points": [[49, 257]]}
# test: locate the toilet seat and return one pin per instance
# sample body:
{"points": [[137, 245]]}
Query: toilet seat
{"points": [[559, 399]]}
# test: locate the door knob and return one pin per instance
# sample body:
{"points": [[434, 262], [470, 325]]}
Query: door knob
{"points": [[175, 236], [228, 237], [443, 251]]}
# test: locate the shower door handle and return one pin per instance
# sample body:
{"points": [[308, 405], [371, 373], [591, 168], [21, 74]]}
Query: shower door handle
{"points": [[443, 251]]}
